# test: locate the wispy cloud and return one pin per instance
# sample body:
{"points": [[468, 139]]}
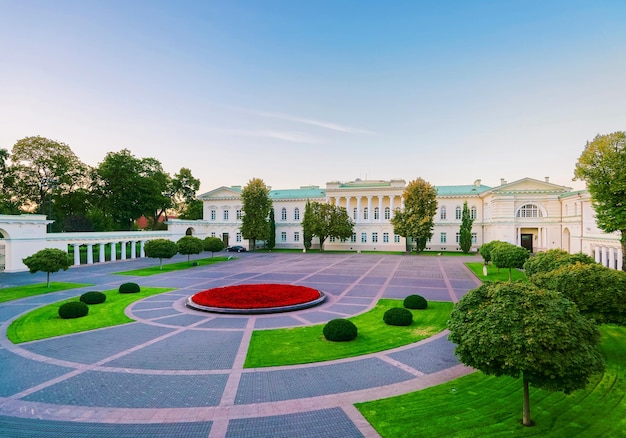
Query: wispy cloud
{"points": [[312, 122], [293, 137]]}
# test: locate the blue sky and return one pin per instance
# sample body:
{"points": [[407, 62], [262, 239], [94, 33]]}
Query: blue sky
{"points": [[305, 92]]}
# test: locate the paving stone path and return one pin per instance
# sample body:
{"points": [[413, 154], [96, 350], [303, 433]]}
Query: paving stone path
{"points": [[178, 372]]}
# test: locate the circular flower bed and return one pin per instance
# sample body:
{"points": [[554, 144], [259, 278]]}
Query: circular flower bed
{"points": [[256, 298]]}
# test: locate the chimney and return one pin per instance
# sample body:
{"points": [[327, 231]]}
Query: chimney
{"points": [[502, 181], [477, 183], [547, 178]]}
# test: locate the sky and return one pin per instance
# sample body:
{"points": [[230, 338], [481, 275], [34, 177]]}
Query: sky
{"points": [[305, 92]]}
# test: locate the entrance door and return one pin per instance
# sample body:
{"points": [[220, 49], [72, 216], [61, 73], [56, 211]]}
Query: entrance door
{"points": [[527, 241], [225, 239]]}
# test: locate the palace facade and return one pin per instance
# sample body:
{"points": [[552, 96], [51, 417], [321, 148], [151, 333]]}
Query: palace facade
{"points": [[536, 214]]}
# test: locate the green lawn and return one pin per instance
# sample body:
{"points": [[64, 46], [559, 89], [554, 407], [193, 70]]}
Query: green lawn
{"points": [[171, 267], [478, 405], [493, 274], [307, 344], [17, 292], [44, 322]]}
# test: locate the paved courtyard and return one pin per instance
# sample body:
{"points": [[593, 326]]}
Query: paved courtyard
{"points": [[178, 372]]}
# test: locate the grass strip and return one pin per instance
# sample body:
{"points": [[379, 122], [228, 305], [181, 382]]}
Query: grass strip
{"points": [[495, 274], [300, 345], [171, 267], [44, 322], [17, 292], [478, 405]]}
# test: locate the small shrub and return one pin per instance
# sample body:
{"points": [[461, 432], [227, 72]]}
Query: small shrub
{"points": [[340, 330], [129, 288], [398, 316], [74, 309], [415, 302], [93, 297]]}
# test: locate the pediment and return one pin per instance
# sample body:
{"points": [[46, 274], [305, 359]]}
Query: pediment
{"points": [[221, 193], [530, 185]]}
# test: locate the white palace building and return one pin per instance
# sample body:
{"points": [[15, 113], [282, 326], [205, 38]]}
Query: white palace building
{"points": [[536, 214]]}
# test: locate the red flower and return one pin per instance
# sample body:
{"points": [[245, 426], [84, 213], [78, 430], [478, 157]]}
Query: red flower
{"points": [[256, 296]]}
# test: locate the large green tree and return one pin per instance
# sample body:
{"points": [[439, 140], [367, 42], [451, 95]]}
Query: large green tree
{"points": [[256, 208], [518, 330], [417, 220], [184, 189], [48, 260], [8, 202], [329, 220], [602, 165], [465, 232]]}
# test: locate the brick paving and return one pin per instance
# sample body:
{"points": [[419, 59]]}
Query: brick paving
{"points": [[179, 372]]}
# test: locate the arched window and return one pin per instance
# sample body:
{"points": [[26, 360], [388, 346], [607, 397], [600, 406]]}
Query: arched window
{"points": [[365, 213], [376, 213], [458, 213], [442, 213], [387, 213], [296, 214], [283, 214], [354, 213], [529, 210], [473, 212]]}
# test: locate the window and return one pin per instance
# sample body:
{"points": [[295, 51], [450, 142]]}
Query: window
{"points": [[473, 212], [296, 214], [283, 236], [296, 236], [387, 213], [354, 213], [443, 238], [226, 215], [385, 237], [374, 237], [283, 214], [396, 238], [363, 237], [331, 239], [376, 213], [442, 213], [212, 233], [213, 215], [458, 237], [474, 237], [353, 238], [365, 213], [239, 214], [458, 213], [529, 210], [238, 237]]}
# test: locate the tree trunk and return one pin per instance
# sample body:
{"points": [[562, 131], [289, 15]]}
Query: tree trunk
{"points": [[526, 410], [47, 279]]}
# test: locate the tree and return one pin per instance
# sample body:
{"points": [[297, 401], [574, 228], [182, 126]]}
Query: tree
{"points": [[213, 244], [307, 226], [602, 165], [485, 250], [256, 208], [48, 260], [518, 330], [552, 259], [160, 249], [328, 220], [465, 233], [184, 188], [188, 245], [420, 206], [508, 256], [8, 204], [271, 240]]}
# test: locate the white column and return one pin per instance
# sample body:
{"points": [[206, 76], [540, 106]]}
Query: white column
{"points": [[133, 249], [358, 210], [338, 201], [123, 249], [370, 212], [102, 258], [348, 207], [76, 254], [611, 259], [381, 213], [596, 254], [90, 254], [113, 253], [142, 250], [391, 207], [620, 260], [604, 256]]}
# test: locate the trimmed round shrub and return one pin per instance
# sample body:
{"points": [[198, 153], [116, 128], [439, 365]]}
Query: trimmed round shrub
{"points": [[74, 309], [129, 288], [415, 302], [340, 330], [93, 297], [398, 316]]}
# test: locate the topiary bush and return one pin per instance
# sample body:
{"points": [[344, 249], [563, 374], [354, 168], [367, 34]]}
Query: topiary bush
{"points": [[129, 288], [74, 309], [415, 302], [93, 297], [398, 316], [340, 330]]}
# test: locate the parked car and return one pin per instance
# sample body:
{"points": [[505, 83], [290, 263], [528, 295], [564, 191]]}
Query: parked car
{"points": [[236, 248]]}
